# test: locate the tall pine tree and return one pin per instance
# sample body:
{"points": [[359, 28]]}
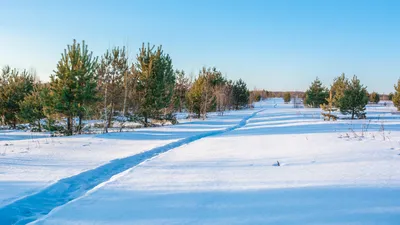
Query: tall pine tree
{"points": [[194, 95], [340, 84], [181, 88], [74, 83], [355, 99], [112, 71], [202, 96], [156, 82]]}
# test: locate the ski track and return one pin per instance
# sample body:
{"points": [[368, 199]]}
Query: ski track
{"points": [[32, 207]]}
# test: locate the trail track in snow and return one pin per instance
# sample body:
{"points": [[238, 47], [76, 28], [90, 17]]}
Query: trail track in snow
{"points": [[32, 207]]}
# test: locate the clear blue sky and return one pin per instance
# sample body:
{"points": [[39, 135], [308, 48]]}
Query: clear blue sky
{"points": [[276, 45]]}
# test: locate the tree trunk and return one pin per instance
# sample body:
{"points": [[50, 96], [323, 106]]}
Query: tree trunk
{"points": [[125, 94], [105, 110], [180, 104], [15, 123], [110, 115], [72, 125], [40, 126], [80, 124], [205, 106], [145, 120], [352, 114], [69, 126]]}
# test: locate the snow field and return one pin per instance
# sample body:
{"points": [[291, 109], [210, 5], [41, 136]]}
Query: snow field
{"points": [[30, 207], [325, 177], [223, 171]]}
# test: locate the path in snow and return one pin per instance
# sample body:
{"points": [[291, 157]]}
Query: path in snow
{"points": [[32, 207], [229, 179]]}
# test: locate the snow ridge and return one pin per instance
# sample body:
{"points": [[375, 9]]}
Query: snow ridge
{"points": [[31, 207]]}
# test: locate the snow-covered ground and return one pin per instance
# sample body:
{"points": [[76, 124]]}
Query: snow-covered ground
{"points": [[219, 171]]}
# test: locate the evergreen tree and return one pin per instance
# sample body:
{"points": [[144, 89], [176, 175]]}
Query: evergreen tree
{"points": [[355, 99], [86, 94], [329, 107], [112, 71], [3, 83], [257, 97], [193, 96], [240, 94], [14, 87], [131, 100], [390, 96], [213, 81], [202, 96], [396, 96], [374, 97], [74, 83], [47, 97], [181, 88], [156, 82], [31, 108], [340, 84], [316, 94], [287, 97]]}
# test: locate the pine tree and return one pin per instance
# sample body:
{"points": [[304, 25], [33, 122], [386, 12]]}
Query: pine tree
{"points": [[287, 97], [340, 84], [31, 108], [329, 106], [202, 96], [396, 95], [181, 88], [3, 83], [374, 97], [112, 71], [240, 94], [256, 95], [48, 99], [194, 96], [156, 82], [355, 99], [14, 87], [86, 94], [131, 102], [74, 83], [390, 96], [316, 94], [213, 80]]}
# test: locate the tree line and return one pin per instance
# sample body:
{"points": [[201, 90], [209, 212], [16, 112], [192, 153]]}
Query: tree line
{"points": [[347, 95], [257, 94], [112, 86]]}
